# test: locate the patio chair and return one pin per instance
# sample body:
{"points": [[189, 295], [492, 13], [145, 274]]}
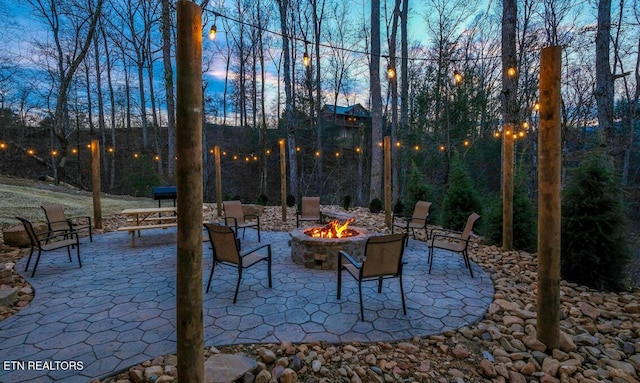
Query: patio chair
{"points": [[235, 217], [454, 241], [49, 241], [382, 260], [418, 220], [226, 251], [309, 210], [57, 221]]}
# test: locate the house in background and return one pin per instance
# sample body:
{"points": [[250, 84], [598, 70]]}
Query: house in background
{"points": [[351, 122]]}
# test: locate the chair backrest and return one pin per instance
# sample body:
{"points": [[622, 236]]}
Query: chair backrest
{"points": [[223, 240], [469, 226], [233, 209], [55, 217], [31, 233], [310, 207], [383, 255], [421, 212]]}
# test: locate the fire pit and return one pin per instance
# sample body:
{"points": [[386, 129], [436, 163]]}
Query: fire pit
{"points": [[318, 247]]}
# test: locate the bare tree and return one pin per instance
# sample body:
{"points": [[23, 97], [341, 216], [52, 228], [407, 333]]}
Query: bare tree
{"points": [[604, 77], [72, 26], [283, 7], [376, 103], [169, 88], [133, 45]]}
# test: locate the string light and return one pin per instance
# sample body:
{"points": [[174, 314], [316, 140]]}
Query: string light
{"points": [[391, 72], [3, 145], [457, 77], [306, 60], [213, 32], [511, 71], [332, 47]]}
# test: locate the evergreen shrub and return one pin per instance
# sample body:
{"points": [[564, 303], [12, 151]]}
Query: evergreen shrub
{"points": [[346, 202], [595, 248], [291, 200], [524, 221], [417, 190], [375, 206], [262, 199], [460, 199]]}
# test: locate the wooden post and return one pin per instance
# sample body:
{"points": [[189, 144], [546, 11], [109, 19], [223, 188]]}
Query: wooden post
{"points": [[189, 326], [387, 181], [216, 154], [96, 183], [507, 185], [283, 180], [549, 188]]}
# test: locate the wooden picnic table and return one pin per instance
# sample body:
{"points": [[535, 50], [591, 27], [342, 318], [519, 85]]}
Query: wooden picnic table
{"points": [[148, 218]]}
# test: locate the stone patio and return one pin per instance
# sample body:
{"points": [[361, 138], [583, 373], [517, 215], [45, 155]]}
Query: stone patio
{"points": [[119, 308]]}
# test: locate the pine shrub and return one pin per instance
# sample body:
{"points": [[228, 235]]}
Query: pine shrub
{"points": [[524, 221], [460, 199], [346, 202], [417, 190], [375, 206], [595, 250]]}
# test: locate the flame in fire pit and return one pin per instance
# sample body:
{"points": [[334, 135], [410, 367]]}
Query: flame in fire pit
{"points": [[333, 229]]}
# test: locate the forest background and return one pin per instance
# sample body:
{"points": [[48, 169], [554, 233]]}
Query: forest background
{"points": [[77, 70]]}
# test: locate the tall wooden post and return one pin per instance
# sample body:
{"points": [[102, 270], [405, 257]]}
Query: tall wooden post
{"points": [[96, 184], [387, 181], [216, 155], [507, 185], [189, 326], [283, 180], [549, 188]]}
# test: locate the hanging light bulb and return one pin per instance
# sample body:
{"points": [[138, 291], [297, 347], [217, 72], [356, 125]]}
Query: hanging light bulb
{"points": [[391, 72], [306, 60], [457, 77], [213, 32]]}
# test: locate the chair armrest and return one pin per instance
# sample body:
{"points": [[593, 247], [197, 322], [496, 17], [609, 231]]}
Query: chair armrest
{"points": [[252, 216], [403, 216], [348, 258], [444, 231], [88, 218], [53, 234], [253, 250]]}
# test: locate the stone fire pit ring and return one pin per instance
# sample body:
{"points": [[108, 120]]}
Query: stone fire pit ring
{"points": [[322, 253]]}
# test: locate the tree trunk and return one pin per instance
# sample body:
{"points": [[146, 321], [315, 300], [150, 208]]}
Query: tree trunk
{"points": [[168, 87], [604, 79], [376, 103], [283, 6], [404, 71]]}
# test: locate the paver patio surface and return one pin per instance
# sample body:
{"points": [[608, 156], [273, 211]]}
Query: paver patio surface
{"points": [[119, 309]]}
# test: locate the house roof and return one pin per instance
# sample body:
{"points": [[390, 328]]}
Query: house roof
{"points": [[353, 110]]}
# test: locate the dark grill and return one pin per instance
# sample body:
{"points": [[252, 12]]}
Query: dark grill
{"points": [[164, 192]]}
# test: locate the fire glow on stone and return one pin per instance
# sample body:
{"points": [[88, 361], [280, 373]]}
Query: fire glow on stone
{"points": [[333, 229]]}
